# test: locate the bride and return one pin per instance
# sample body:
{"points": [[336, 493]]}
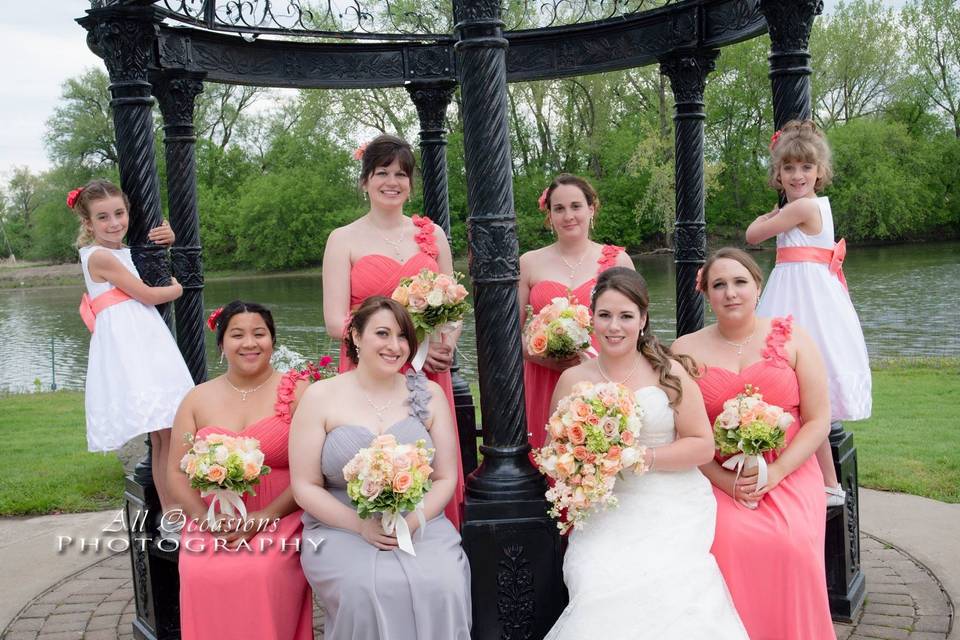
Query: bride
{"points": [[644, 569]]}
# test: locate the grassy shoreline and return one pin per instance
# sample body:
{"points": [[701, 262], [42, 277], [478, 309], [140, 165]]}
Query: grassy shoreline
{"points": [[909, 444]]}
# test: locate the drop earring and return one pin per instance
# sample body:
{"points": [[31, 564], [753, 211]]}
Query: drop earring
{"points": [[221, 357]]}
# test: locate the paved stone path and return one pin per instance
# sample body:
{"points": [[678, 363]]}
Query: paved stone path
{"points": [[904, 602]]}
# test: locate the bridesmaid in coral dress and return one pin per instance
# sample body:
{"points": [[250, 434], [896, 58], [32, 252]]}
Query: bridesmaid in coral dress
{"points": [[369, 256], [245, 583], [568, 266], [771, 556]]}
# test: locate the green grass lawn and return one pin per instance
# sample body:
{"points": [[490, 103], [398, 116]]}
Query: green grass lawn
{"points": [[911, 444], [44, 463]]}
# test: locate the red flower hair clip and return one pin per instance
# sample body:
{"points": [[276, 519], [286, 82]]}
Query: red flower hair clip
{"points": [[213, 317], [73, 196], [696, 283], [542, 201], [774, 138], [359, 151]]}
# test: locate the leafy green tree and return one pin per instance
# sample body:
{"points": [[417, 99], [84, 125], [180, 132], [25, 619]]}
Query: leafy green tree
{"points": [[80, 129], [933, 47]]}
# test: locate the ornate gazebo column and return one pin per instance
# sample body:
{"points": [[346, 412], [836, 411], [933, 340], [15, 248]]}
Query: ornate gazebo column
{"points": [[687, 71], [789, 24], [514, 548], [177, 92], [125, 37], [431, 98]]}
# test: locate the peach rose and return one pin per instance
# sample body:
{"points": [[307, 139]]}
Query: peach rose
{"points": [[538, 344], [401, 295], [566, 464], [582, 316], [402, 462], [555, 427], [418, 289], [417, 303], [580, 452], [443, 281], [580, 409], [627, 438], [384, 440], [402, 481], [576, 434], [250, 470], [614, 453], [217, 473]]}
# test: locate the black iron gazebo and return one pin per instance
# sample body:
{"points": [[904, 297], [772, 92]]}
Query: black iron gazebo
{"points": [[167, 49]]}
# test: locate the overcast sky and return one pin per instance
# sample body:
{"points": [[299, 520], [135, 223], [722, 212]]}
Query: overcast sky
{"points": [[40, 48]]}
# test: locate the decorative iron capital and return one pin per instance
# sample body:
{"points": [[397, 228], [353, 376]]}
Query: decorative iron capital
{"points": [[125, 38], [431, 100], [177, 93], [476, 11], [790, 22], [688, 75]]}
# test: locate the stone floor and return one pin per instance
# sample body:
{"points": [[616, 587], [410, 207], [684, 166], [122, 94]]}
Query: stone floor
{"points": [[904, 602]]}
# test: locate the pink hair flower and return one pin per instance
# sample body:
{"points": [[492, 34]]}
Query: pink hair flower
{"points": [[73, 196], [774, 138], [542, 201], [359, 151], [696, 283], [213, 317]]}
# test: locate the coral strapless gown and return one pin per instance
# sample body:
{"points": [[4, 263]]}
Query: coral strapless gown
{"points": [[539, 382], [250, 593], [379, 275], [772, 557]]}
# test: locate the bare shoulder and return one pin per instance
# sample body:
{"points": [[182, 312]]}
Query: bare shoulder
{"points": [[101, 258], [688, 342], [624, 260], [436, 391]]}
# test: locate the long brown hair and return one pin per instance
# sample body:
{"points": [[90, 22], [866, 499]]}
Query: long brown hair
{"points": [[631, 284]]}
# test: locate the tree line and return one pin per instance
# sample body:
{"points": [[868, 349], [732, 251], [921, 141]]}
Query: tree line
{"points": [[275, 173]]}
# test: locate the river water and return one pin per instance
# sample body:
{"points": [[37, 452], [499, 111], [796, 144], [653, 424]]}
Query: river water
{"points": [[905, 296]]}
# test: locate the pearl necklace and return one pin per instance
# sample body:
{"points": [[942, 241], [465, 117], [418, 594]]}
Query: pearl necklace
{"points": [[573, 267], [739, 345], [628, 376], [245, 392]]}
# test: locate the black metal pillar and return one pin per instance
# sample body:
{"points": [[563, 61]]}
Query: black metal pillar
{"points": [[513, 546], [431, 99], [687, 71], [125, 37], [789, 23], [177, 92]]}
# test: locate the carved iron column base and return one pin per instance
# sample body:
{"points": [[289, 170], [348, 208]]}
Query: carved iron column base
{"points": [[846, 586], [516, 560], [156, 580]]}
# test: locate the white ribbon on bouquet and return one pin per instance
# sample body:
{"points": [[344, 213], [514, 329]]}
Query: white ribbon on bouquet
{"points": [[743, 461], [230, 503], [436, 335], [394, 521]]}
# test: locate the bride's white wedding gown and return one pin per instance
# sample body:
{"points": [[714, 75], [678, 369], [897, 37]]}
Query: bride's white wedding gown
{"points": [[644, 569]]}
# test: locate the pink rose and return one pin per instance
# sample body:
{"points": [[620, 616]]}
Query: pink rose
{"points": [[417, 303], [402, 481], [627, 438], [610, 426], [580, 452], [582, 315], [576, 434], [538, 344], [385, 440], [370, 489]]}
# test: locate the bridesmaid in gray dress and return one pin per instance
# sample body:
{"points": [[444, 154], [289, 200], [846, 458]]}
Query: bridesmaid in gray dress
{"points": [[369, 588]]}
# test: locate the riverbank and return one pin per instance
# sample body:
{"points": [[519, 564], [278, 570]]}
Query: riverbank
{"points": [[909, 445]]}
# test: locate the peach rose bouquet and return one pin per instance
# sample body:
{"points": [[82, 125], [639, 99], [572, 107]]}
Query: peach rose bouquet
{"points": [[437, 304], [225, 467], [593, 439], [747, 428], [561, 329], [390, 478]]}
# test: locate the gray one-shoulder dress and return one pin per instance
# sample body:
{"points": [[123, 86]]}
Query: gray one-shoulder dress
{"points": [[369, 594]]}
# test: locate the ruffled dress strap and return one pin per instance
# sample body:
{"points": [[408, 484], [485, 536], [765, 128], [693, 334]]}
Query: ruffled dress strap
{"points": [[286, 393], [420, 395], [608, 257], [424, 236], [781, 329]]}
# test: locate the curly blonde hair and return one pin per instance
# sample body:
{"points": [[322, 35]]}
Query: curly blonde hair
{"points": [[800, 141], [96, 189]]}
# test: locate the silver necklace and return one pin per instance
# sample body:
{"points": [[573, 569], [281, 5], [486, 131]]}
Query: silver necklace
{"points": [[573, 267], [245, 392], [393, 243], [379, 410], [628, 376], [739, 345]]}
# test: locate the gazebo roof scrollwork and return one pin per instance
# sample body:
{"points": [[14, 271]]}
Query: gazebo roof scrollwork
{"points": [[628, 36]]}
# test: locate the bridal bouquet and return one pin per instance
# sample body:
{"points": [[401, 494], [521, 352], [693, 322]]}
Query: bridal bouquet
{"points": [[437, 304], [747, 428], [593, 438], [225, 467], [390, 478], [561, 329]]}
